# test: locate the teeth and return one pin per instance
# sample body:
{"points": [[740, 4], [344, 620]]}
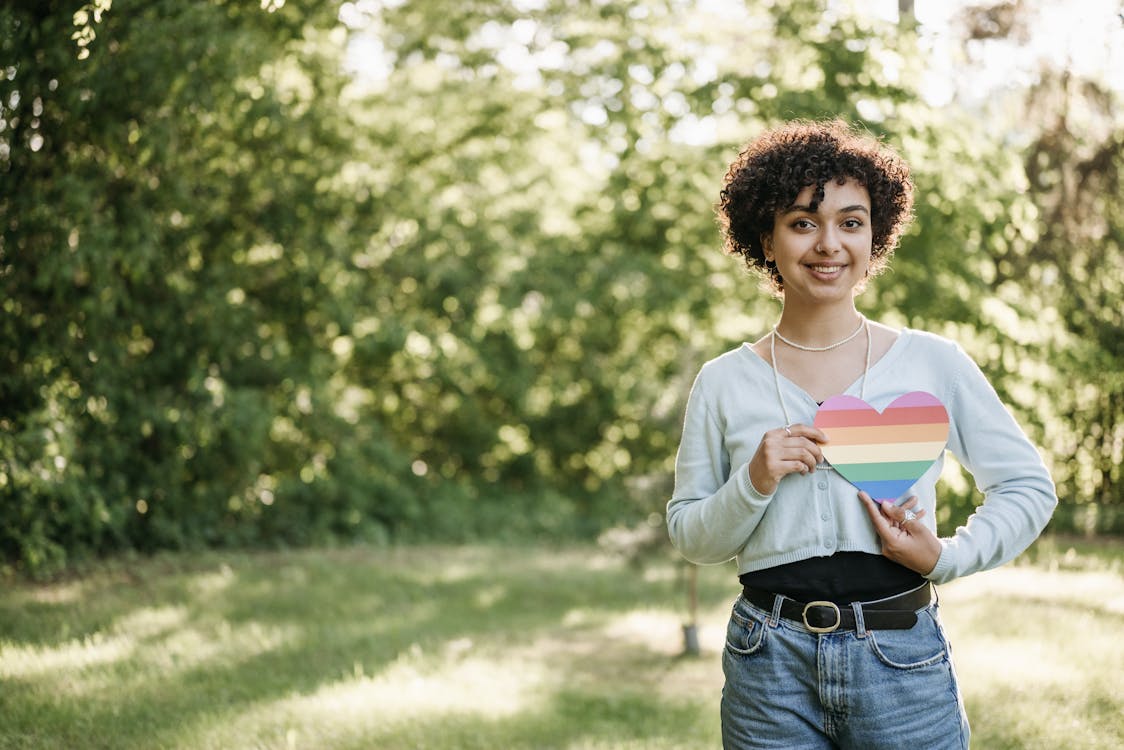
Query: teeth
{"points": [[826, 269]]}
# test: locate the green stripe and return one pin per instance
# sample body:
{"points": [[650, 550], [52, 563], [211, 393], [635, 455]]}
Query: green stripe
{"points": [[884, 470]]}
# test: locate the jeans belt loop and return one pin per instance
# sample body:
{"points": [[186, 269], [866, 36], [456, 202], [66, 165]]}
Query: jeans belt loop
{"points": [[775, 615], [817, 629], [860, 623]]}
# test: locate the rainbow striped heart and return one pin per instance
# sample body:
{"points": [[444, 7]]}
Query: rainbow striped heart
{"points": [[883, 453]]}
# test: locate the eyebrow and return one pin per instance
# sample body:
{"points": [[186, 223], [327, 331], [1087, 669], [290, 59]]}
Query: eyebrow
{"points": [[809, 210]]}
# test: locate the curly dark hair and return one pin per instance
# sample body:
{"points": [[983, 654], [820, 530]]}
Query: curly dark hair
{"points": [[772, 170]]}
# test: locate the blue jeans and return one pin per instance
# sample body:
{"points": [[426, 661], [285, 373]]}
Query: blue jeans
{"points": [[787, 687]]}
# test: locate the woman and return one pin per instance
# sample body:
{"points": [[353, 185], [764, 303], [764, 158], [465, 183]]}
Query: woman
{"points": [[835, 641]]}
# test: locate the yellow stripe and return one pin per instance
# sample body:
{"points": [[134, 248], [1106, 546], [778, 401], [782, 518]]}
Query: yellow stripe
{"points": [[891, 452], [878, 434]]}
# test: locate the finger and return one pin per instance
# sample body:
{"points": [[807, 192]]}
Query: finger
{"points": [[807, 431], [802, 453], [810, 450], [898, 513], [873, 509], [796, 466], [895, 516], [891, 512], [911, 505], [917, 512], [813, 449], [783, 465], [809, 459]]}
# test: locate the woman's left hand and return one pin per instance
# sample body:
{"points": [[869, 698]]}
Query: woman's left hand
{"points": [[909, 543]]}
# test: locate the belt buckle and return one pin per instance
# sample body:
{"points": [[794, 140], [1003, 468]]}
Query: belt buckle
{"points": [[815, 629]]}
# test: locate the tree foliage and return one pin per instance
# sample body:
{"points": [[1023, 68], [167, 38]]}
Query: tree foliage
{"points": [[252, 295], [1075, 170], [1054, 284], [167, 260]]}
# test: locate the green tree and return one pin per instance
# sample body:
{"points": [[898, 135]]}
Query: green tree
{"points": [[259, 287], [1075, 165], [167, 259], [586, 165], [1054, 283]]}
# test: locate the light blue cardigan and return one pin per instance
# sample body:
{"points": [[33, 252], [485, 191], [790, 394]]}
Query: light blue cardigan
{"points": [[716, 514]]}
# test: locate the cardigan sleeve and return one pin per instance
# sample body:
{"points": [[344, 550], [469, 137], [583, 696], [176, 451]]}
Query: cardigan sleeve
{"points": [[1019, 495], [713, 510]]}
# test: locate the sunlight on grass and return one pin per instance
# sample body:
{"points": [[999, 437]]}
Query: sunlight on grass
{"points": [[59, 593], [656, 630], [194, 647], [70, 657], [205, 584], [482, 647], [489, 596], [501, 685], [147, 622], [99, 649], [1039, 655], [156, 640], [1102, 589], [415, 688]]}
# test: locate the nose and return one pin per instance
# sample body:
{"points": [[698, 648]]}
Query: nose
{"points": [[829, 242]]}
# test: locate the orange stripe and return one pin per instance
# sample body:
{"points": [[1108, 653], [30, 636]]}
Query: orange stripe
{"points": [[905, 433]]}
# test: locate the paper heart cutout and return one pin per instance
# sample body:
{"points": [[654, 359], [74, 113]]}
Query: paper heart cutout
{"points": [[883, 453]]}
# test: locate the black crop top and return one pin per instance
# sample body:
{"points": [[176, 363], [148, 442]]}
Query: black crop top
{"points": [[841, 578]]}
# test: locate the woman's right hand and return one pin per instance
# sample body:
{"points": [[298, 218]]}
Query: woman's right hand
{"points": [[783, 452]]}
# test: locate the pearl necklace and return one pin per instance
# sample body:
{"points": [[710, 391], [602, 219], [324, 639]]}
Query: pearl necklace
{"points": [[827, 348], [776, 369]]}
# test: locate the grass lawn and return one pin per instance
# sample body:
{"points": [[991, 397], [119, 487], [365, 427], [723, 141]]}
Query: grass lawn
{"points": [[493, 647]]}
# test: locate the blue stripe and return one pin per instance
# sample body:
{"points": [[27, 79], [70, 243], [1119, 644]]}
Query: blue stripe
{"points": [[887, 489]]}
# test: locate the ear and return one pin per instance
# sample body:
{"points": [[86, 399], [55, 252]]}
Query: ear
{"points": [[767, 246]]}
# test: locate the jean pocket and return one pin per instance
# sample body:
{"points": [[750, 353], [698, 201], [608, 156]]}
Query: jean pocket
{"points": [[920, 646], [745, 633]]}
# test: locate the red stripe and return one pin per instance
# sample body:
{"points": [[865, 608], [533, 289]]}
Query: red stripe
{"points": [[871, 418]]}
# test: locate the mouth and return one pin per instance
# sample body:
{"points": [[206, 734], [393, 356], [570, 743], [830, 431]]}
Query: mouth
{"points": [[826, 270]]}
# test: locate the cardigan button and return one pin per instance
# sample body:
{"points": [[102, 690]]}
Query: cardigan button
{"points": [[822, 485]]}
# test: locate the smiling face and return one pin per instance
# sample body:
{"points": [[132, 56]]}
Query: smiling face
{"points": [[822, 253]]}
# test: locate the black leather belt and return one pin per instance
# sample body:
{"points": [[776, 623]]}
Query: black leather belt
{"points": [[893, 613]]}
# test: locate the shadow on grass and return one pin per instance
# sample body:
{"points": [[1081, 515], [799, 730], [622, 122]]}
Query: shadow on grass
{"points": [[241, 636]]}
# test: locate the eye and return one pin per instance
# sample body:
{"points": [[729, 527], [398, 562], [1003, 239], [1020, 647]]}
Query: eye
{"points": [[852, 223], [803, 224]]}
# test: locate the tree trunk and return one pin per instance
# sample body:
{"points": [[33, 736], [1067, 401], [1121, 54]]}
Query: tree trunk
{"points": [[906, 17]]}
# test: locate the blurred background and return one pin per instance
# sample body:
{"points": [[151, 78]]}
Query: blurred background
{"points": [[285, 272]]}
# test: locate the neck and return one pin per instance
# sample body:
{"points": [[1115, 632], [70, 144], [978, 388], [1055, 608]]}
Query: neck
{"points": [[818, 326]]}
